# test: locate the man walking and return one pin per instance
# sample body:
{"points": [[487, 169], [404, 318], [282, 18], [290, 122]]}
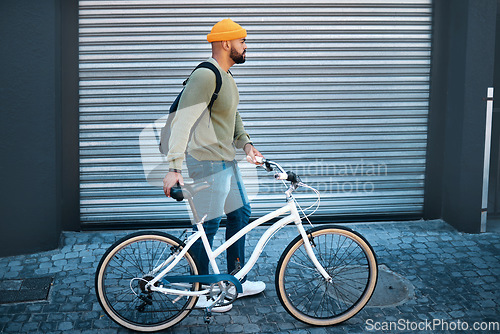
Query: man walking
{"points": [[211, 149]]}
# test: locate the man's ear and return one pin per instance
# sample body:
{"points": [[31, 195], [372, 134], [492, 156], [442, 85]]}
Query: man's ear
{"points": [[226, 45]]}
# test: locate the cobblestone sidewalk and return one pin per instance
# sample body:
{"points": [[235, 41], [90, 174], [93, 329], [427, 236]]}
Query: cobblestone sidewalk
{"points": [[455, 278]]}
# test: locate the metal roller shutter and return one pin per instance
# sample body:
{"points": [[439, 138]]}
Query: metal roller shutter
{"points": [[336, 90]]}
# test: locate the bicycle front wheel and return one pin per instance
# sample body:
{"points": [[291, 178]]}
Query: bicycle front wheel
{"points": [[349, 260], [123, 273]]}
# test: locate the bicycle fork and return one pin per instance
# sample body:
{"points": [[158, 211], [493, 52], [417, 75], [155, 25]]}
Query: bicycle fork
{"points": [[308, 243]]}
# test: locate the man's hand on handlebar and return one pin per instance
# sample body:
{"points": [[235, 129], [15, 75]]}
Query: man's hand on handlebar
{"points": [[253, 155], [170, 180]]}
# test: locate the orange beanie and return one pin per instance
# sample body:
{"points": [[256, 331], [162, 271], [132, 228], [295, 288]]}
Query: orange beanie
{"points": [[226, 30]]}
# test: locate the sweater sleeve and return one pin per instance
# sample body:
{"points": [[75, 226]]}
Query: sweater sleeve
{"points": [[241, 137], [193, 102]]}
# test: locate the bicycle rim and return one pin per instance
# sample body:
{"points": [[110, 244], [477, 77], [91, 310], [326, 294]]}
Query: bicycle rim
{"points": [[348, 259], [121, 280]]}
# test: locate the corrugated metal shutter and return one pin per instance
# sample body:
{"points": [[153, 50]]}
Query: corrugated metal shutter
{"points": [[335, 90]]}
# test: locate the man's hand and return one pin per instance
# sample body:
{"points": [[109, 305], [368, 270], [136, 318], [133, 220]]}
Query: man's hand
{"points": [[170, 180], [252, 152]]}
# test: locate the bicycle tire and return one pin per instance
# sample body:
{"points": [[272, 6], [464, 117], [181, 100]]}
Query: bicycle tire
{"points": [[350, 261], [120, 282]]}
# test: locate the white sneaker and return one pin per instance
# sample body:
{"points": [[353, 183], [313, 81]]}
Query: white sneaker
{"points": [[252, 288], [249, 289], [203, 303]]}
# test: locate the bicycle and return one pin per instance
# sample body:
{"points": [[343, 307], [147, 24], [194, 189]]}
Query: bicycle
{"points": [[148, 281]]}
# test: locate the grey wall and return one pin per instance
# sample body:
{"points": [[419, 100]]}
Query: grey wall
{"points": [[31, 136], [463, 59]]}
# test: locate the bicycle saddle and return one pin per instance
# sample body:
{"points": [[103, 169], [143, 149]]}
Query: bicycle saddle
{"points": [[188, 190]]}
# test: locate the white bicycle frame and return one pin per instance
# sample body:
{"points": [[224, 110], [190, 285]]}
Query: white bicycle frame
{"points": [[212, 255]]}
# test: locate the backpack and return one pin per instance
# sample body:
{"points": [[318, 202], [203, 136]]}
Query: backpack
{"points": [[166, 130]]}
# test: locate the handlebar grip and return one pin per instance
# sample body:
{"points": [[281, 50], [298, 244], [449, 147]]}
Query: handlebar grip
{"points": [[176, 193]]}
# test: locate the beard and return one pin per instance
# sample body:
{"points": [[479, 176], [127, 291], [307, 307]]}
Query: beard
{"points": [[238, 58]]}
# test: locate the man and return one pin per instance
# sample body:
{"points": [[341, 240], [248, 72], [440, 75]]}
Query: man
{"points": [[211, 149]]}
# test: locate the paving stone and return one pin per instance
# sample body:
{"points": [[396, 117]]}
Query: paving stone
{"points": [[58, 256], [83, 324], [65, 326], [234, 328], [286, 325], [31, 326], [72, 255], [13, 327]]}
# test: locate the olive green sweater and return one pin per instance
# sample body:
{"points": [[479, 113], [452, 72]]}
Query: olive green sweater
{"points": [[214, 137]]}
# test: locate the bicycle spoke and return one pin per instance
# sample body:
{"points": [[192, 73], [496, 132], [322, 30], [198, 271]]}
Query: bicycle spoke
{"points": [[306, 297]]}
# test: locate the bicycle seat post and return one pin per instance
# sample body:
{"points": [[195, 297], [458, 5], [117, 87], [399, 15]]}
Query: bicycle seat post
{"points": [[193, 210]]}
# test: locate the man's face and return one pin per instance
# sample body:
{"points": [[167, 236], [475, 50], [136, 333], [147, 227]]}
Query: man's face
{"points": [[238, 50]]}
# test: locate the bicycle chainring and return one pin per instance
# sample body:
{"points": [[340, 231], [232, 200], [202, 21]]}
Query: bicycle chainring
{"points": [[223, 287]]}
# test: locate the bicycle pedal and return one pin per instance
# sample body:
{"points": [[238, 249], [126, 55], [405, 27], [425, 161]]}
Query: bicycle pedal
{"points": [[208, 316]]}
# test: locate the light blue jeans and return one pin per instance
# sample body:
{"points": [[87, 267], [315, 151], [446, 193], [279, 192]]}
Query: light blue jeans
{"points": [[226, 194]]}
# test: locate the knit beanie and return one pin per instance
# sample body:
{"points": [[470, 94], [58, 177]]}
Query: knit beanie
{"points": [[226, 30]]}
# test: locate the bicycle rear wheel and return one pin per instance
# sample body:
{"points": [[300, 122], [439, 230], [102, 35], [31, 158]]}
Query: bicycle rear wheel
{"points": [[349, 260], [123, 273]]}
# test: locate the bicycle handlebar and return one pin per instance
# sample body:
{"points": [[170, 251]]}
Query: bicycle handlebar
{"points": [[295, 181], [267, 164], [282, 174]]}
